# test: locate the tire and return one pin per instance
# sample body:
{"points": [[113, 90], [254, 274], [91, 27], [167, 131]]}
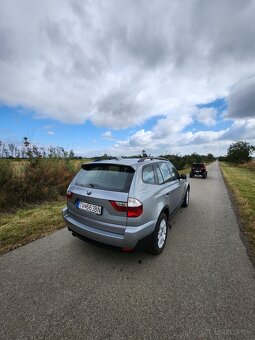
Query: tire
{"points": [[185, 202], [159, 235], [191, 175], [204, 175]]}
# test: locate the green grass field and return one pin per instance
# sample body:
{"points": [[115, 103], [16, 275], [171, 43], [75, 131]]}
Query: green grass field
{"points": [[241, 181], [28, 224]]}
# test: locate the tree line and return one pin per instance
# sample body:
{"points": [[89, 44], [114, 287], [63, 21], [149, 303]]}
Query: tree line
{"points": [[238, 152], [31, 150]]}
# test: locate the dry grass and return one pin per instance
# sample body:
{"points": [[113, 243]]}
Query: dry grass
{"points": [[36, 181], [241, 180], [249, 166], [28, 224]]}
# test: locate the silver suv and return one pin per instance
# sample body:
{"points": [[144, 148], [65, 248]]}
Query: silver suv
{"points": [[124, 202]]}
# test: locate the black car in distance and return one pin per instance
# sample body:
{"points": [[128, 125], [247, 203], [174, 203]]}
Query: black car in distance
{"points": [[198, 169]]}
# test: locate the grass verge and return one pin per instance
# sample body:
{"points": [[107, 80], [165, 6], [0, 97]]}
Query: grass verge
{"points": [[241, 182], [28, 224]]}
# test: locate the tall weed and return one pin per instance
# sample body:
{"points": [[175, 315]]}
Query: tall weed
{"points": [[40, 180]]}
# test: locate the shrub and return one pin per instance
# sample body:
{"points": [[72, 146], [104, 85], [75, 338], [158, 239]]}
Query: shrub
{"points": [[10, 184], [46, 179], [6, 172], [40, 180]]}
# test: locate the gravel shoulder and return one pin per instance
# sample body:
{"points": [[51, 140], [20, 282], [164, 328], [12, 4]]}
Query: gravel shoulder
{"points": [[201, 287]]}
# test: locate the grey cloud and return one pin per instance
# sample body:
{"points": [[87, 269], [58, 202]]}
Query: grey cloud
{"points": [[240, 130], [118, 63], [226, 29], [241, 100], [6, 49], [119, 109]]}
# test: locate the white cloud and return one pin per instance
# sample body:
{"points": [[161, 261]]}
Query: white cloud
{"points": [[156, 142], [206, 116], [107, 135], [51, 133]]}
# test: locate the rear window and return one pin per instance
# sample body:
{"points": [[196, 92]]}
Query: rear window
{"points": [[105, 176], [198, 165]]}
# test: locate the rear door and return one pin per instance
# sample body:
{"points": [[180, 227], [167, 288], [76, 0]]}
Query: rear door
{"points": [[179, 194], [171, 186], [93, 189]]}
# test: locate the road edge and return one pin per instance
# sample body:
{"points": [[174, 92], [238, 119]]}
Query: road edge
{"points": [[242, 233]]}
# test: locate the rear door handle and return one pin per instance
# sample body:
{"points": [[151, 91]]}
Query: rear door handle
{"points": [[168, 194]]}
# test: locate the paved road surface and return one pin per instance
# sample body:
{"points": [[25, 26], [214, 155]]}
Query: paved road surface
{"points": [[201, 287]]}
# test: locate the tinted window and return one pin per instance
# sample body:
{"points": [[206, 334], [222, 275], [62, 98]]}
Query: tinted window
{"points": [[198, 165], [105, 176], [148, 175]]}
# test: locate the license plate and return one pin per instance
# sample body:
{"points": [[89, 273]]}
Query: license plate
{"points": [[197, 172], [97, 209]]}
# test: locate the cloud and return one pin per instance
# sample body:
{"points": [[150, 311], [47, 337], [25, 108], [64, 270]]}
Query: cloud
{"points": [[107, 135], [51, 133], [118, 63], [241, 100], [206, 116], [157, 140]]}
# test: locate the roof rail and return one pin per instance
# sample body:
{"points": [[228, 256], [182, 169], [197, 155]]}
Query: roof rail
{"points": [[151, 158]]}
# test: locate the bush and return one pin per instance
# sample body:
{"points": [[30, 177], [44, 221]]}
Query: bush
{"points": [[6, 172], [11, 186], [40, 180], [46, 179]]}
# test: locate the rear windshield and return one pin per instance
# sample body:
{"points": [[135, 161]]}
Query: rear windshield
{"points": [[198, 165], [106, 177]]}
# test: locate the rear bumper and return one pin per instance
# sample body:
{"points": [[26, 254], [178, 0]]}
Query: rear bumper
{"points": [[198, 172], [128, 240]]}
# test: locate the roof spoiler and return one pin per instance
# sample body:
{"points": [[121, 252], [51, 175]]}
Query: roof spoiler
{"points": [[107, 159]]}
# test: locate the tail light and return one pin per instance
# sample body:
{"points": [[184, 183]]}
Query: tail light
{"points": [[133, 207], [69, 195]]}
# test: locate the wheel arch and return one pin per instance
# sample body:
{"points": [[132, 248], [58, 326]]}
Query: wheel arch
{"points": [[166, 211]]}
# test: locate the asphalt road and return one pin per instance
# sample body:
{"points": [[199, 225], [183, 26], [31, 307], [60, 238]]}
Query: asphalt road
{"points": [[201, 287]]}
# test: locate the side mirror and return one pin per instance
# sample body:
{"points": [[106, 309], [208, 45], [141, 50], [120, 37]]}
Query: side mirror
{"points": [[183, 176]]}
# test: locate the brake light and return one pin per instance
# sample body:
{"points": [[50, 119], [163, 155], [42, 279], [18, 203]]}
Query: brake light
{"points": [[127, 250], [119, 206], [133, 207], [69, 195]]}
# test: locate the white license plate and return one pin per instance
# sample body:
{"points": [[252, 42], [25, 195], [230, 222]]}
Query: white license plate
{"points": [[97, 209]]}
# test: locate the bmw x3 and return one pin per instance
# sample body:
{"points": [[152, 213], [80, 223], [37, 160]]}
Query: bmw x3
{"points": [[123, 202]]}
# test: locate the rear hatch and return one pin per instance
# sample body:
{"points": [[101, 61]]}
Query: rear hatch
{"points": [[91, 193], [198, 167]]}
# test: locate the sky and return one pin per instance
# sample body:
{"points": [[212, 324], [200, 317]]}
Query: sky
{"points": [[122, 76]]}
